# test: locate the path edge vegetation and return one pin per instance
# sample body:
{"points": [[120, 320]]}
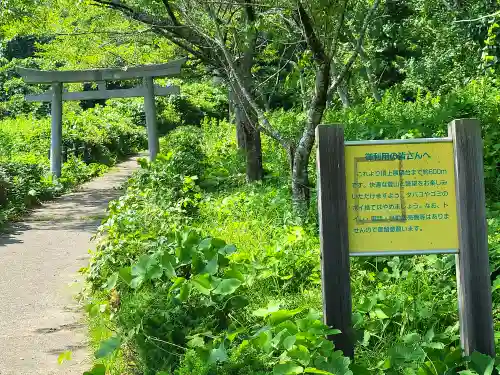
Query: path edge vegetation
{"points": [[25, 179], [166, 303]]}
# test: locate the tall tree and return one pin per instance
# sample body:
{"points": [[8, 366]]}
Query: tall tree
{"points": [[188, 25], [212, 32]]}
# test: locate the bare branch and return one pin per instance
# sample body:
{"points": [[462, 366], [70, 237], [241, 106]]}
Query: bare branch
{"points": [[355, 53], [181, 44], [132, 13], [111, 32], [312, 40], [479, 18], [365, 60], [280, 68], [223, 2], [339, 28], [171, 13], [186, 37]]}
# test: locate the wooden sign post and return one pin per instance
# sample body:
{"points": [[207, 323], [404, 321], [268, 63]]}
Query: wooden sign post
{"points": [[405, 197], [332, 209], [473, 270], [56, 96]]}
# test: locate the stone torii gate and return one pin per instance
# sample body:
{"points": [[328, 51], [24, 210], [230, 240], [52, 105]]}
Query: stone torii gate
{"points": [[56, 95]]}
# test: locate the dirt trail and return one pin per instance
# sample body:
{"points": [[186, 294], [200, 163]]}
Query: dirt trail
{"points": [[39, 262]]}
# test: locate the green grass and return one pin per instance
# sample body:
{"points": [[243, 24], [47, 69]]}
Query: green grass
{"points": [[392, 297], [404, 308], [100, 329], [93, 141]]}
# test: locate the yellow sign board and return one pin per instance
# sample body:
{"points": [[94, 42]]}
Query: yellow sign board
{"points": [[401, 197]]}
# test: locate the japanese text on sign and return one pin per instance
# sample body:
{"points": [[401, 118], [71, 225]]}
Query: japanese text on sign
{"points": [[401, 197]]}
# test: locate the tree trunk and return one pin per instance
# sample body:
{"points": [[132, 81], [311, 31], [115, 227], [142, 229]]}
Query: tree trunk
{"points": [[240, 80], [300, 181], [236, 118], [240, 128], [231, 107], [300, 174], [341, 89], [247, 115], [343, 96], [253, 150], [369, 75], [248, 135]]}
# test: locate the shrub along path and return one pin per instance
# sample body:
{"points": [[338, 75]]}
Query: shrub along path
{"points": [[39, 263]]}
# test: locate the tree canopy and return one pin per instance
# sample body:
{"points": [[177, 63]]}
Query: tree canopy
{"points": [[273, 55]]}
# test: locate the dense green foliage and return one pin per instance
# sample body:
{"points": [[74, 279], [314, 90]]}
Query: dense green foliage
{"points": [[428, 116], [92, 141], [197, 100], [94, 136], [180, 300]]}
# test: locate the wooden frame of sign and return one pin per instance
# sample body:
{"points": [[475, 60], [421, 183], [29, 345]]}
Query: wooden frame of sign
{"points": [[56, 96], [398, 196]]}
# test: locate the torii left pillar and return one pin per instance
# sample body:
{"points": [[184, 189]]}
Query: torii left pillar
{"points": [[56, 130], [150, 110]]}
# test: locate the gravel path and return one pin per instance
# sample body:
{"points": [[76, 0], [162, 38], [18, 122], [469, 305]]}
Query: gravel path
{"points": [[39, 263]]}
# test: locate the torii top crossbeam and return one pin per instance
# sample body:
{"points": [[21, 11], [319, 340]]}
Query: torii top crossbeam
{"points": [[56, 96], [96, 75]]}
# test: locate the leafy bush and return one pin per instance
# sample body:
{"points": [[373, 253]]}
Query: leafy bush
{"points": [[184, 145], [92, 140], [428, 116], [21, 185], [75, 171], [13, 89], [196, 102], [158, 198], [168, 117], [226, 167], [187, 276], [212, 100], [242, 362], [290, 342], [101, 134], [158, 290]]}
